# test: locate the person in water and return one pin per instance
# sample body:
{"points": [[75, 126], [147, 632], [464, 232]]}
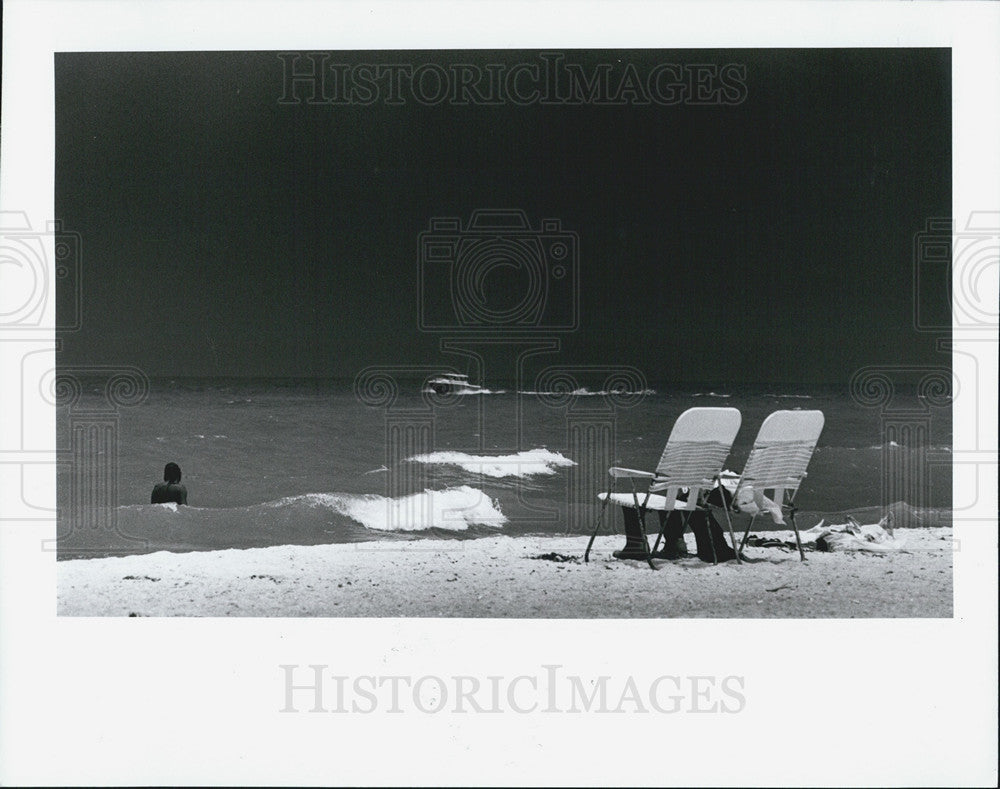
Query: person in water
{"points": [[170, 490]]}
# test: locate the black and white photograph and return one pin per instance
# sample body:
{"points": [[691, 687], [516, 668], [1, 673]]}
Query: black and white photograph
{"points": [[406, 363], [386, 320]]}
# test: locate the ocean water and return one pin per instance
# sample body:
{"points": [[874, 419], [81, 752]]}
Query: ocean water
{"points": [[273, 462]]}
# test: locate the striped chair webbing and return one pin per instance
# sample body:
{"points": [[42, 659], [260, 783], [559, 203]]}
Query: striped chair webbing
{"points": [[690, 464], [779, 464]]}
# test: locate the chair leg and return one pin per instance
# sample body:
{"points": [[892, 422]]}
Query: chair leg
{"points": [[645, 540], [711, 538], [798, 541], [732, 535], [665, 516], [659, 536], [600, 517], [746, 534]]}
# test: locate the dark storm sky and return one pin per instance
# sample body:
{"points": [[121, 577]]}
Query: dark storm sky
{"points": [[225, 233]]}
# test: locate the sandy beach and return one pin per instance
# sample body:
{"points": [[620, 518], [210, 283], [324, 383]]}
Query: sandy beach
{"points": [[501, 577]]}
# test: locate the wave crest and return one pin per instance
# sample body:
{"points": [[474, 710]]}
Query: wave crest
{"points": [[454, 509], [531, 462]]}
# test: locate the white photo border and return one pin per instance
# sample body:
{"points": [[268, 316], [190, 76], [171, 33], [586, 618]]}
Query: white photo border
{"points": [[188, 701]]}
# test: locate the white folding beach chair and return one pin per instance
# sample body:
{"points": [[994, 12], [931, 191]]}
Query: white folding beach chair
{"points": [[693, 458], [777, 464]]}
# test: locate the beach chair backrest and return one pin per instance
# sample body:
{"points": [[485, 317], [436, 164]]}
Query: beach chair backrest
{"points": [[697, 448], [781, 453]]}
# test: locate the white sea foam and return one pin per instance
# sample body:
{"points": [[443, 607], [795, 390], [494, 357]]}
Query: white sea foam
{"points": [[583, 391], [480, 391], [531, 462], [890, 445], [454, 508], [709, 394], [465, 391]]}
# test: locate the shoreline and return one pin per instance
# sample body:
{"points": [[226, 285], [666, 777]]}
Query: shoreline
{"points": [[499, 577], [169, 533]]}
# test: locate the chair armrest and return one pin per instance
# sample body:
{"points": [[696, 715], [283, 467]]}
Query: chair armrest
{"points": [[616, 471]]}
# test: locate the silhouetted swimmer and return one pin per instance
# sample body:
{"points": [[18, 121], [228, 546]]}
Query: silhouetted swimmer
{"points": [[170, 490]]}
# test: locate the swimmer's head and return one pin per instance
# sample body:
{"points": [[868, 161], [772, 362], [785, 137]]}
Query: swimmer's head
{"points": [[171, 473]]}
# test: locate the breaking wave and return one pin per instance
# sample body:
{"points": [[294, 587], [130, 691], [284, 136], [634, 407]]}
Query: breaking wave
{"points": [[308, 519], [531, 462], [455, 509]]}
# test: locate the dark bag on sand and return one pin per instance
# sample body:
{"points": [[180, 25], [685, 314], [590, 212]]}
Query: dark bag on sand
{"points": [[712, 545], [708, 533]]}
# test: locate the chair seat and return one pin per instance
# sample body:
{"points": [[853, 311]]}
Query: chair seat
{"points": [[749, 502], [656, 501], [692, 458]]}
